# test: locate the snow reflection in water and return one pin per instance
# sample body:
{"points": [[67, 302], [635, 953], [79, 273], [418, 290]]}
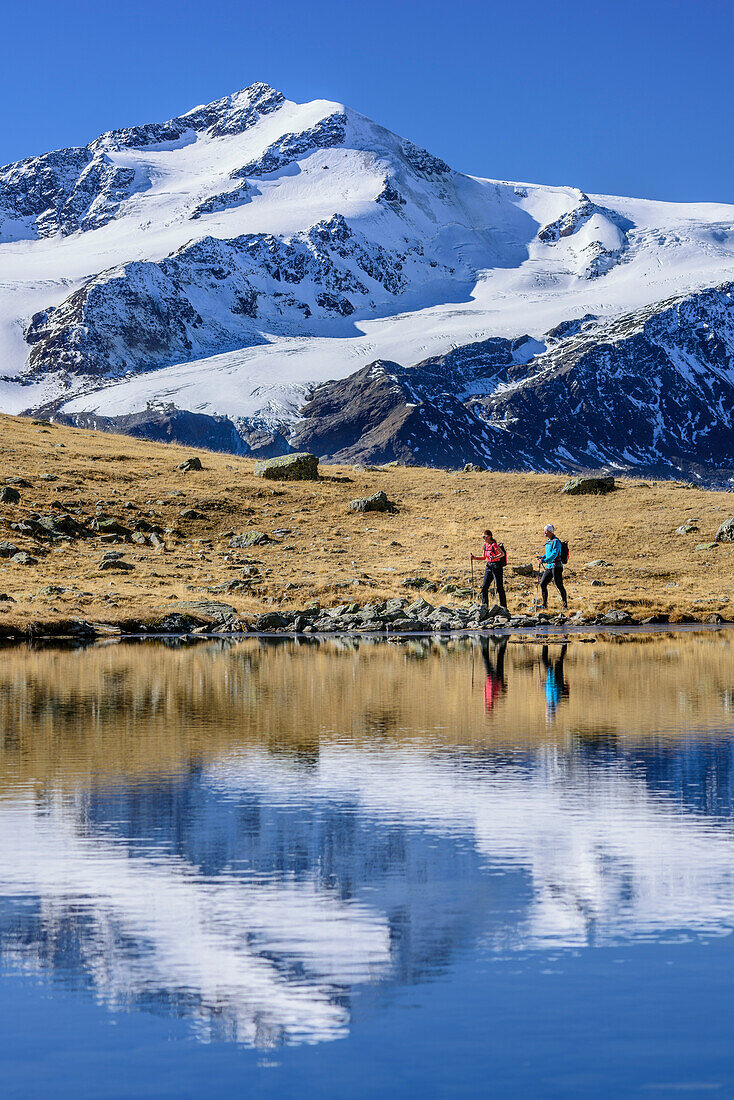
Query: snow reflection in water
{"points": [[259, 892]]}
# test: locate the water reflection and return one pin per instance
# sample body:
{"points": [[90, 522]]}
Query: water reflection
{"points": [[253, 837]]}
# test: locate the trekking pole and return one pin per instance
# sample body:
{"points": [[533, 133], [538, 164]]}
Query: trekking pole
{"points": [[537, 587], [473, 593]]}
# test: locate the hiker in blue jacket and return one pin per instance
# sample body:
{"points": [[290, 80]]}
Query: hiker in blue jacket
{"points": [[552, 566]]}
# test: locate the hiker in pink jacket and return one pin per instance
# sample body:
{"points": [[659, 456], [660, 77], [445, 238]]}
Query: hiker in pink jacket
{"points": [[494, 556]]}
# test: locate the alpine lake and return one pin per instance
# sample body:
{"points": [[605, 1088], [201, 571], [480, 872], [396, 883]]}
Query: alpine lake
{"points": [[431, 867]]}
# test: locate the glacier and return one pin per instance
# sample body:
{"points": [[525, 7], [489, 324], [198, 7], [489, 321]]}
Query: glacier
{"points": [[232, 261]]}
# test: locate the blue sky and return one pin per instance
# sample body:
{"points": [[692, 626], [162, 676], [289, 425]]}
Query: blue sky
{"points": [[626, 97]]}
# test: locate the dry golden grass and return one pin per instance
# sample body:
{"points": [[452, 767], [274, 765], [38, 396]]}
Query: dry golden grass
{"points": [[332, 554]]}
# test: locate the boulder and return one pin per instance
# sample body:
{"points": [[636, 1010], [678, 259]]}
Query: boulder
{"points": [[578, 486], [300, 466], [205, 609], [271, 620], [24, 558], [251, 538], [524, 570], [378, 502], [8, 495], [108, 525], [615, 617], [192, 463], [726, 531]]}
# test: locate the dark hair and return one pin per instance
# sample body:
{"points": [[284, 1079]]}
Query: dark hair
{"points": [[488, 532]]}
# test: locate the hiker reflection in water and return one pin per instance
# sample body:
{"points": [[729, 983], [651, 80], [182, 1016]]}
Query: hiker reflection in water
{"points": [[556, 688], [494, 664]]}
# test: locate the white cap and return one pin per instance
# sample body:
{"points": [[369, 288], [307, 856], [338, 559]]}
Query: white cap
{"points": [[549, 529]]}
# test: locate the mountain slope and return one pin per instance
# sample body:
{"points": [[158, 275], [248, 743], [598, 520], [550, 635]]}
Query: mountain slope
{"points": [[227, 262]]}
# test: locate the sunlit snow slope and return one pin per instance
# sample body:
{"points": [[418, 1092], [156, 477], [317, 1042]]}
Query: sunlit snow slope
{"points": [[226, 261]]}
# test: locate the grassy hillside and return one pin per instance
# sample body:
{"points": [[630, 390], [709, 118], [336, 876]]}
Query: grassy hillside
{"points": [[330, 554]]}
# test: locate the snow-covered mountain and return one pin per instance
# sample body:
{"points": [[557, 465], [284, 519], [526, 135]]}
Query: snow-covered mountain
{"points": [[264, 274]]}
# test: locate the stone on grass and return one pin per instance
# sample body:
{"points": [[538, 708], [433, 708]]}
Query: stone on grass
{"points": [[527, 570], [378, 502], [108, 525], [300, 466], [578, 486], [419, 582], [726, 531], [8, 495], [189, 513], [193, 463], [115, 563], [686, 528], [19, 482], [251, 538], [472, 468], [7, 549], [24, 558], [707, 546], [615, 617]]}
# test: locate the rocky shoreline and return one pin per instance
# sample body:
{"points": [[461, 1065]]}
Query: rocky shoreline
{"points": [[400, 616]]}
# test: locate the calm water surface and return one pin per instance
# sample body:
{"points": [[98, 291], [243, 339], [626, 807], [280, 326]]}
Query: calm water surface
{"points": [[405, 870]]}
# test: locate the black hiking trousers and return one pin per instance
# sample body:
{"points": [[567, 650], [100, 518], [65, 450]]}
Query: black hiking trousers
{"points": [[493, 573], [553, 573]]}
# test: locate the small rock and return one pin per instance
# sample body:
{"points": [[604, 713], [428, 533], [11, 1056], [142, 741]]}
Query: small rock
{"points": [[300, 466], [582, 485], [19, 482], [496, 611], [51, 590], [7, 550], [193, 463], [419, 582], [472, 468], [5, 598], [378, 502], [189, 513], [8, 495], [116, 563], [251, 538], [686, 529], [615, 617], [707, 546], [524, 570], [726, 531], [596, 583], [24, 558], [597, 562]]}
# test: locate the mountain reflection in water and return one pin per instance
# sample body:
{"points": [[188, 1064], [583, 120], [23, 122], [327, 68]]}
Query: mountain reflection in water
{"points": [[263, 837]]}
